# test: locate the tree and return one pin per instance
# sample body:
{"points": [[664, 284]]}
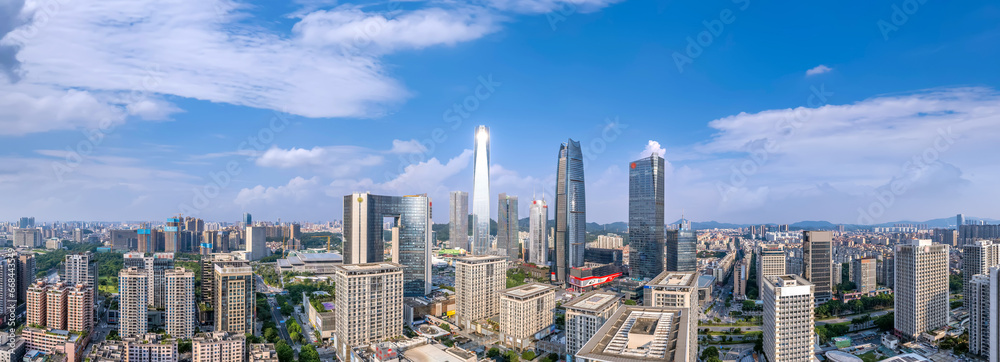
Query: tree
{"points": [[511, 356], [309, 354], [446, 326], [295, 336], [528, 355], [285, 353], [493, 352], [271, 335], [553, 357], [886, 322], [955, 283], [629, 302], [711, 351], [183, 346]]}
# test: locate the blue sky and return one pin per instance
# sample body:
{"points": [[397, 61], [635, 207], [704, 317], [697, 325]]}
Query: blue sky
{"points": [[137, 110]]}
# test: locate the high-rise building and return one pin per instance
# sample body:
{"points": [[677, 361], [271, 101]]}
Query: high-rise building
{"points": [[538, 242], [256, 242], [993, 309], [977, 258], [180, 315], [235, 299], [25, 275], [218, 347], [979, 314], [37, 303], [524, 311], [645, 216], [124, 240], [959, 221], [817, 263], [789, 320], [681, 248], [571, 210], [364, 215], [481, 192], [27, 238], [154, 266], [56, 302], [247, 219], [458, 222], [133, 291], [864, 274], [172, 235], [508, 243], [770, 262], [208, 274], [586, 314], [741, 276], [676, 290], [149, 239], [81, 268], [921, 293], [79, 308], [27, 223], [478, 282], [640, 334], [369, 300]]}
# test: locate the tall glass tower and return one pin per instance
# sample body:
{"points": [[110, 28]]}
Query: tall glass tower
{"points": [[481, 193], [508, 241], [458, 232], [645, 216], [571, 210], [681, 245], [538, 218]]}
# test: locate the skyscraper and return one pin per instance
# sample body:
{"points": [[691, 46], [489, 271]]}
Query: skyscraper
{"points": [[172, 235], [645, 216], [571, 210], [864, 274], [921, 294], [25, 275], [681, 246], [993, 309], [180, 302], [154, 266], [27, 223], [538, 218], [508, 241], [81, 269], [234, 298], [79, 308], [817, 263], [256, 242], [458, 224], [247, 219], [481, 193], [364, 215], [977, 258], [770, 261], [979, 314], [959, 221], [369, 304], [133, 285], [789, 321]]}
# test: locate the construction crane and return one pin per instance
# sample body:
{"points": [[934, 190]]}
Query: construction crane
{"points": [[327, 243]]}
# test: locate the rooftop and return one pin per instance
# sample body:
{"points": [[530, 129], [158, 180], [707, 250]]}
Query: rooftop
{"points": [[527, 290], [705, 281], [434, 353], [369, 267], [594, 301], [675, 279], [638, 333], [480, 258]]}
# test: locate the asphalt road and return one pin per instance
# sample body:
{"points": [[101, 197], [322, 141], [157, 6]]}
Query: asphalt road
{"points": [[282, 330], [848, 318]]}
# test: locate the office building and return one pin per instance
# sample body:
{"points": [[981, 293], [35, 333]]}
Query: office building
{"points": [[959, 221], [481, 192], [538, 243], [571, 210], [817, 263], [26, 223], [508, 242], [864, 274], [979, 314], [25, 275], [79, 308], [977, 258], [411, 242], [27, 238], [369, 300], [124, 240], [681, 248], [478, 282], [218, 347], [208, 274], [586, 314], [235, 298], [81, 268], [642, 333], [789, 321], [180, 313], [524, 311], [770, 262], [154, 266], [458, 222], [247, 219], [319, 264], [921, 293], [645, 216], [676, 290], [256, 243], [133, 305]]}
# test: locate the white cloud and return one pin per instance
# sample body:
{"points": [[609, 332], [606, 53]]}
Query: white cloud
{"points": [[819, 69], [651, 148], [564, 7], [411, 146], [350, 28], [338, 160], [298, 189]]}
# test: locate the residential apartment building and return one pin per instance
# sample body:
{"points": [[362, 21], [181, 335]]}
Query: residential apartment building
{"points": [[586, 314], [921, 294], [864, 274], [218, 347], [789, 321], [154, 266], [180, 312], [369, 299], [478, 282], [770, 262], [977, 258], [133, 305], [235, 299], [79, 308], [524, 311], [979, 315]]}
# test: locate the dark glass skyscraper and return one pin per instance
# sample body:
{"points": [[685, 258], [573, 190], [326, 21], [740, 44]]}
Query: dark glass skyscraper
{"points": [[571, 210], [681, 245], [364, 242], [645, 216], [507, 239], [817, 260]]}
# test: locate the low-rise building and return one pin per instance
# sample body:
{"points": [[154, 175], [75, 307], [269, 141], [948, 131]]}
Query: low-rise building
{"points": [[11, 347], [263, 352], [438, 353], [218, 347], [55, 341], [320, 264], [639, 334], [150, 347]]}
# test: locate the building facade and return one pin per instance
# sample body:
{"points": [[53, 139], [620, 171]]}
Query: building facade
{"points": [[789, 320], [525, 310], [571, 210], [235, 298], [458, 220], [770, 262], [369, 300], [586, 314], [921, 293], [641, 334], [133, 294], [817, 259], [154, 266], [645, 216], [180, 313], [508, 242], [478, 282], [81, 269], [977, 258], [538, 241], [676, 290], [219, 347], [481, 192], [864, 274], [979, 315], [681, 248]]}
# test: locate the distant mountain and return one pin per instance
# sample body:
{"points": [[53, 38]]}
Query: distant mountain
{"points": [[621, 227], [615, 227]]}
